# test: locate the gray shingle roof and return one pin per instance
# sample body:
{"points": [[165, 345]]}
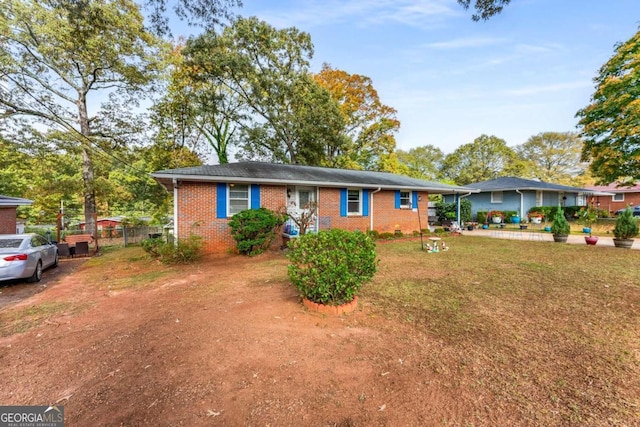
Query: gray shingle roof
{"points": [[511, 183], [273, 173], [14, 201]]}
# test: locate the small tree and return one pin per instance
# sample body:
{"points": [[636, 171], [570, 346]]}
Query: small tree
{"points": [[331, 266], [626, 225], [587, 217], [304, 217], [560, 225], [254, 229]]}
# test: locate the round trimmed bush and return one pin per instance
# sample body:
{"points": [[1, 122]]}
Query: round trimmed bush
{"points": [[331, 266], [254, 229]]}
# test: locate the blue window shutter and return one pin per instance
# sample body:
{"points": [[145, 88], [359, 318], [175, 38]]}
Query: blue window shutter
{"points": [[397, 199], [255, 196], [221, 200], [414, 200], [365, 202], [343, 202]]}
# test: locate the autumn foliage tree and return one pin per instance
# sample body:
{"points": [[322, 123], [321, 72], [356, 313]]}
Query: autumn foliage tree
{"points": [[369, 126], [610, 124]]}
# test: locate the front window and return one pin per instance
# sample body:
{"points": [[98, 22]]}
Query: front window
{"points": [[238, 198], [353, 202], [405, 199], [496, 197], [618, 197]]}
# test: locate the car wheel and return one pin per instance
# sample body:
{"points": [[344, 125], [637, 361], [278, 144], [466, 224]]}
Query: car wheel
{"points": [[37, 274], [55, 262]]}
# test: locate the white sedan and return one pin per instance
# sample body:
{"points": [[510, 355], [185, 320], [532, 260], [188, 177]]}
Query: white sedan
{"points": [[25, 256]]}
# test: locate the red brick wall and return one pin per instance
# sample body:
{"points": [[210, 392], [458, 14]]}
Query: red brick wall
{"points": [[197, 213], [607, 203], [7, 220]]}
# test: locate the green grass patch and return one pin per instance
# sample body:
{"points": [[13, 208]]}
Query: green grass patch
{"points": [[552, 328], [22, 320]]}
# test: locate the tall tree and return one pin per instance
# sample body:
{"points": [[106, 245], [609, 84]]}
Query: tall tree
{"points": [[57, 55], [485, 9], [203, 13], [610, 124], [487, 157], [422, 162], [554, 156], [286, 116], [194, 111], [370, 126]]}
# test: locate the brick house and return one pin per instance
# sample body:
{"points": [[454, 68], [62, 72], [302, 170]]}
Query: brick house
{"points": [[8, 218], [206, 197], [618, 197]]}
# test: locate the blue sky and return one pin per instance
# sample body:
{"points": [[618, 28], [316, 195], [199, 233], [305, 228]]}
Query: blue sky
{"points": [[525, 71]]}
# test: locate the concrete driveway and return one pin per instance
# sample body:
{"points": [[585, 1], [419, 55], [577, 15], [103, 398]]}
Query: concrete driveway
{"points": [[541, 236]]}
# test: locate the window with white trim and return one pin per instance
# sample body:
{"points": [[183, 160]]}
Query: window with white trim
{"points": [[405, 199], [354, 202], [238, 195], [617, 197], [496, 196]]}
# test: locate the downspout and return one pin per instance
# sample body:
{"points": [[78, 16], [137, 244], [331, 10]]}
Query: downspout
{"points": [[175, 211], [458, 206], [521, 204], [371, 208]]}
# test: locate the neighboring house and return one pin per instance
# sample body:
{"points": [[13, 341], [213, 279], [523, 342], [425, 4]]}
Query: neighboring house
{"points": [[618, 197], [8, 218], [206, 197], [518, 194]]}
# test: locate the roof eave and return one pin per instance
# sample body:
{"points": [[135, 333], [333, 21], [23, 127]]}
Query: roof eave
{"points": [[167, 181]]}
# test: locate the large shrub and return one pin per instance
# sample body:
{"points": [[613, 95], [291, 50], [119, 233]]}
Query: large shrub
{"points": [[626, 225], [254, 229], [449, 211], [330, 267], [184, 251]]}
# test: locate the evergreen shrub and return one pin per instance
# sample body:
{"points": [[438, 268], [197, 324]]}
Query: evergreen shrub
{"points": [[330, 267]]}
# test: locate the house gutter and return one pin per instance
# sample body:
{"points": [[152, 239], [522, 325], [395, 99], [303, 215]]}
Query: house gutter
{"points": [[175, 211], [371, 208]]}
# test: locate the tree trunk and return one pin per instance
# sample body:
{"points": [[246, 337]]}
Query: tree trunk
{"points": [[88, 177]]}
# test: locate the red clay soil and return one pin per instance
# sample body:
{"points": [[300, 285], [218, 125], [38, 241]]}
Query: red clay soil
{"points": [[224, 343]]}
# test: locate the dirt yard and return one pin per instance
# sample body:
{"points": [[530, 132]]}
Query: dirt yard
{"points": [[226, 343]]}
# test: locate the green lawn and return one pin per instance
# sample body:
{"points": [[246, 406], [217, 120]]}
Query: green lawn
{"points": [[552, 328]]}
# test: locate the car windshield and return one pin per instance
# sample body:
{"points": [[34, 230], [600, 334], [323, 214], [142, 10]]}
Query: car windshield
{"points": [[10, 243]]}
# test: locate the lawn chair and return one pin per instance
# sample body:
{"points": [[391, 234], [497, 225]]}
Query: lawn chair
{"points": [[82, 248], [63, 250]]}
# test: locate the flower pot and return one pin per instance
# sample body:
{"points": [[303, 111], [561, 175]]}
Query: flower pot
{"points": [[560, 238], [515, 219], [523, 227], [485, 226], [331, 309], [496, 219], [470, 227], [586, 230], [623, 243], [591, 240], [547, 229], [536, 220]]}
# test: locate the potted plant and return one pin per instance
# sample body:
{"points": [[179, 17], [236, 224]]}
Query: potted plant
{"points": [[496, 216], [560, 227], [626, 228], [536, 217], [587, 217]]}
